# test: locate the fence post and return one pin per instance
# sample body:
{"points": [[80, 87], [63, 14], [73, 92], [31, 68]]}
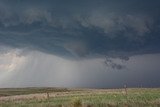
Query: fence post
{"points": [[47, 95], [125, 87]]}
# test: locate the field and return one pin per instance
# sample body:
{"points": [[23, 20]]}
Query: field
{"points": [[63, 97]]}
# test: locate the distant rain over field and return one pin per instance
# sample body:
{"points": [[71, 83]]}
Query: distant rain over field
{"points": [[85, 43]]}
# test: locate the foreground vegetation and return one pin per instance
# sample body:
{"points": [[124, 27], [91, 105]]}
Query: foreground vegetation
{"points": [[89, 98]]}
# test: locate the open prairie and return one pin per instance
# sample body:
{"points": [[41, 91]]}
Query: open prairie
{"points": [[63, 97]]}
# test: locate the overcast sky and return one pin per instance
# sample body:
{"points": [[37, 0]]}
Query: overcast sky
{"points": [[79, 43]]}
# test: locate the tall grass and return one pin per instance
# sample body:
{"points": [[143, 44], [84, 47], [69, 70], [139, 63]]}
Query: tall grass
{"points": [[115, 98]]}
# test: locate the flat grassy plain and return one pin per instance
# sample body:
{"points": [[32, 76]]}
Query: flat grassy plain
{"points": [[63, 97]]}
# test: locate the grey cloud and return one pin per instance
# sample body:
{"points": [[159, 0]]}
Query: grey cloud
{"points": [[7, 16], [141, 24], [114, 22], [77, 48], [32, 15], [110, 63], [79, 32], [108, 22]]}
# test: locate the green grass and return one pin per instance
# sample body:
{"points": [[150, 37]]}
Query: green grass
{"points": [[107, 98]]}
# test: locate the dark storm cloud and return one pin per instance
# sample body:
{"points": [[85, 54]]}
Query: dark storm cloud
{"points": [[109, 63], [40, 37], [82, 28]]}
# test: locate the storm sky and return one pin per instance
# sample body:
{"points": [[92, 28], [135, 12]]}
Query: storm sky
{"points": [[79, 43]]}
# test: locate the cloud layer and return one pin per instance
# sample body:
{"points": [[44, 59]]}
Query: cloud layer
{"points": [[101, 29]]}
